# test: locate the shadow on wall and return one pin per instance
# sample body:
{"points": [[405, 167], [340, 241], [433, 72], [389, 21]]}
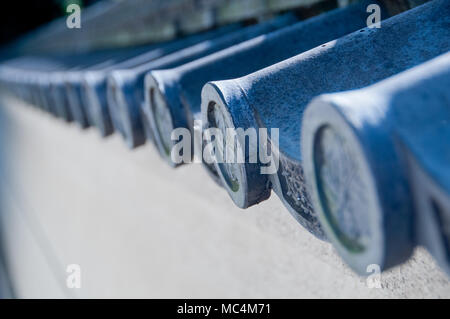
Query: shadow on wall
{"points": [[6, 290]]}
